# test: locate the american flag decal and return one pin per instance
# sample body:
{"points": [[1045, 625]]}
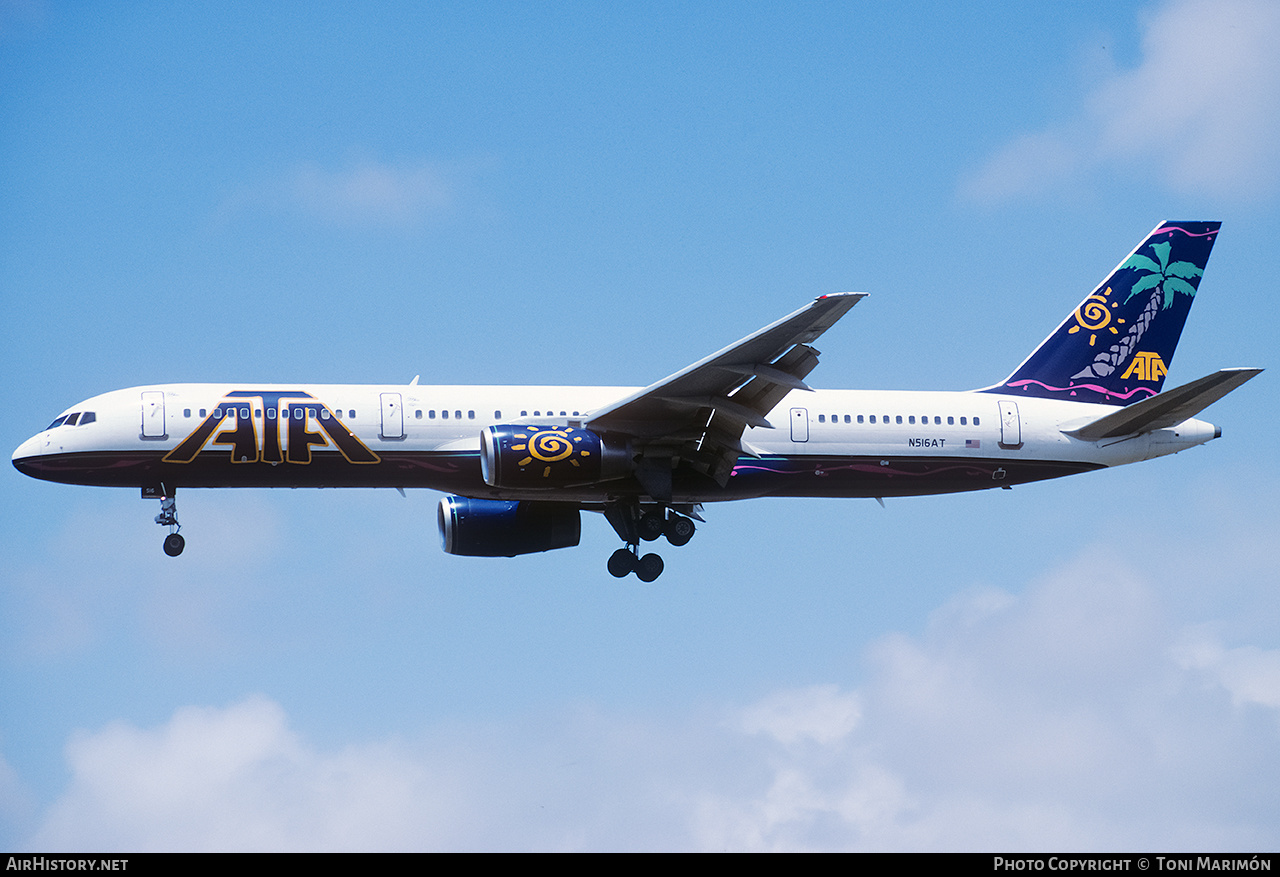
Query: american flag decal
{"points": [[972, 443]]}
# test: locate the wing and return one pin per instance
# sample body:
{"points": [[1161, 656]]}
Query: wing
{"points": [[696, 416]]}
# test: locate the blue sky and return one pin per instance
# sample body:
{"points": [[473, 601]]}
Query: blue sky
{"points": [[564, 194]]}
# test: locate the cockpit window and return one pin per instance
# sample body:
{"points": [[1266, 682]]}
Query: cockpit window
{"points": [[70, 419]]}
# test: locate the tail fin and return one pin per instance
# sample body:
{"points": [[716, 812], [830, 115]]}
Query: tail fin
{"points": [[1117, 345]]}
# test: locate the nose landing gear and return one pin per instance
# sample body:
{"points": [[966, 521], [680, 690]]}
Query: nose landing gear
{"points": [[168, 517], [173, 544]]}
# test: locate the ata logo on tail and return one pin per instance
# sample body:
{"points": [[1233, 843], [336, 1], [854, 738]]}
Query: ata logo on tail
{"points": [[1146, 366]]}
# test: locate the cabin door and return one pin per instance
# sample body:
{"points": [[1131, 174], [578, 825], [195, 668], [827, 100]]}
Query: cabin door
{"points": [[799, 424], [153, 414], [1010, 425], [392, 416]]}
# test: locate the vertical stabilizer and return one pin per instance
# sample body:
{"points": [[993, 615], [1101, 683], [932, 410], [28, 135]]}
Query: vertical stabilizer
{"points": [[1118, 344]]}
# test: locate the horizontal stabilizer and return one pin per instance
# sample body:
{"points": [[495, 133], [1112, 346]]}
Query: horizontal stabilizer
{"points": [[1166, 409]]}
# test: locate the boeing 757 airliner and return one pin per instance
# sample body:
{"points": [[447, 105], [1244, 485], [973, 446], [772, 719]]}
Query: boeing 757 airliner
{"points": [[520, 464]]}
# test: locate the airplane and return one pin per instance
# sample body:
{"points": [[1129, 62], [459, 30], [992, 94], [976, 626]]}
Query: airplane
{"points": [[519, 464]]}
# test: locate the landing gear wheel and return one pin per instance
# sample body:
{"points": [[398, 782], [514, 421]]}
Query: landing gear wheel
{"points": [[650, 526], [173, 544], [679, 530], [649, 567], [621, 563]]}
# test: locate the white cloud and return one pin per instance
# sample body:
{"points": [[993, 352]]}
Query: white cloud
{"points": [[239, 779], [1075, 715], [374, 192], [1201, 110], [1250, 674], [361, 193], [821, 713]]}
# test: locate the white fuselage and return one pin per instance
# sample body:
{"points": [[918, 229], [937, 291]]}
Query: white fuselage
{"points": [[823, 443]]}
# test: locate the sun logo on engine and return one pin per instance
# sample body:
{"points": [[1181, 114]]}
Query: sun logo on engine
{"points": [[550, 446]]}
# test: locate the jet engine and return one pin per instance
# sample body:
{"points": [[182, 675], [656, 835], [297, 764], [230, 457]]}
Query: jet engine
{"points": [[496, 528], [550, 456]]}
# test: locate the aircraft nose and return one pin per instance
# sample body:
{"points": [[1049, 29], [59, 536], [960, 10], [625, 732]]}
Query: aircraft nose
{"points": [[22, 456]]}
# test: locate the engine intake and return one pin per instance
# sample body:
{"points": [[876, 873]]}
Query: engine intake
{"points": [[497, 528], [550, 456]]}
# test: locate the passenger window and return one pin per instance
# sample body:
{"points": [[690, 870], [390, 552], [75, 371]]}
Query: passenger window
{"points": [[471, 415], [351, 413], [847, 419], [444, 415], [951, 421], [937, 421], [964, 421], [859, 418], [899, 418], [202, 410], [911, 418], [431, 415], [217, 413], [873, 418], [271, 414], [975, 421], [822, 418], [186, 412], [497, 415], [244, 412], [524, 413], [417, 415], [324, 413]]}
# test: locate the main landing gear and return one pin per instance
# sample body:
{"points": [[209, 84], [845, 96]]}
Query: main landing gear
{"points": [[168, 517], [634, 526]]}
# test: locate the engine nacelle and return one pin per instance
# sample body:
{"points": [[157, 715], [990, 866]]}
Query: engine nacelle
{"points": [[550, 456], [496, 528]]}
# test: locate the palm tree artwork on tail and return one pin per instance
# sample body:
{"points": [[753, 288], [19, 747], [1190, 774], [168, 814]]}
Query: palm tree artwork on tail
{"points": [[1166, 281]]}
